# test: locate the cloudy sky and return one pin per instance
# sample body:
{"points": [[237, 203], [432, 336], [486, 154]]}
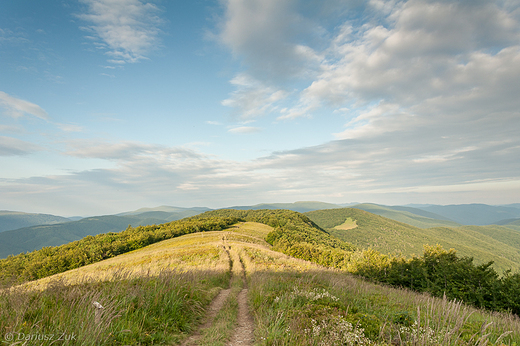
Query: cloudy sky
{"points": [[112, 105]]}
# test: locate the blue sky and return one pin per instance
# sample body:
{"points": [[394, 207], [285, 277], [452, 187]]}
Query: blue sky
{"points": [[112, 105]]}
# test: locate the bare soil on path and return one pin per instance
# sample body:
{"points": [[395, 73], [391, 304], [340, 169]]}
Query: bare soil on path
{"points": [[214, 308], [243, 335]]}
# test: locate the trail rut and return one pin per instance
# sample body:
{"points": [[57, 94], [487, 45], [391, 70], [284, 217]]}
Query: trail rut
{"points": [[214, 308], [243, 333]]}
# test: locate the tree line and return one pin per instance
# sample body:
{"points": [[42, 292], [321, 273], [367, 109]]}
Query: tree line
{"points": [[57, 259]]}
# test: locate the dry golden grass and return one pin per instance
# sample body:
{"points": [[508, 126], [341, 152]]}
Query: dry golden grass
{"points": [[348, 224], [191, 252]]}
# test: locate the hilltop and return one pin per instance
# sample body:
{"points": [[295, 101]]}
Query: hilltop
{"points": [[233, 284]]}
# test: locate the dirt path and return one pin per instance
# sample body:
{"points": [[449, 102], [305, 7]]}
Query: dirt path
{"points": [[243, 333], [213, 309]]}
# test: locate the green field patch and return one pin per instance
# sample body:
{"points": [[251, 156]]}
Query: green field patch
{"points": [[348, 224]]}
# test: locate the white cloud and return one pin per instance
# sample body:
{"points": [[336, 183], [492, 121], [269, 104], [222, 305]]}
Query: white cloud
{"points": [[265, 33], [70, 127], [17, 108], [252, 98], [10, 129], [127, 151], [10, 146], [128, 29], [244, 129], [428, 90]]}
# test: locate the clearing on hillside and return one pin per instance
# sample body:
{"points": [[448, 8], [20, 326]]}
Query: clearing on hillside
{"points": [[348, 224]]}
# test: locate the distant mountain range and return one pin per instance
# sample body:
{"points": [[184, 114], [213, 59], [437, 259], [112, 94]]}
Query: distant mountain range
{"points": [[475, 214], [31, 238], [10, 220], [301, 207], [21, 232]]}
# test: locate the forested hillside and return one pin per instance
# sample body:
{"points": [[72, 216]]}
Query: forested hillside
{"points": [[483, 243]]}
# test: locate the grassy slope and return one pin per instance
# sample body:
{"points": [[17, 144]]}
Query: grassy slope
{"points": [[513, 224], [290, 298], [484, 243]]}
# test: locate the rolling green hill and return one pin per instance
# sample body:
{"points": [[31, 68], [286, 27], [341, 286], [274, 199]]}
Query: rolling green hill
{"points": [[484, 243], [10, 220], [411, 216], [510, 223]]}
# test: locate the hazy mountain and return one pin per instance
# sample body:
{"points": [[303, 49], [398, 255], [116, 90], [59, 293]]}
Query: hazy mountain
{"points": [[166, 209], [300, 207], [35, 237], [10, 220], [475, 214], [514, 205], [45, 231]]}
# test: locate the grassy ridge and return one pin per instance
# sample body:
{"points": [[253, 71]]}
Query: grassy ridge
{"points": [[91, 249], [143, 310], [437, 271]]}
